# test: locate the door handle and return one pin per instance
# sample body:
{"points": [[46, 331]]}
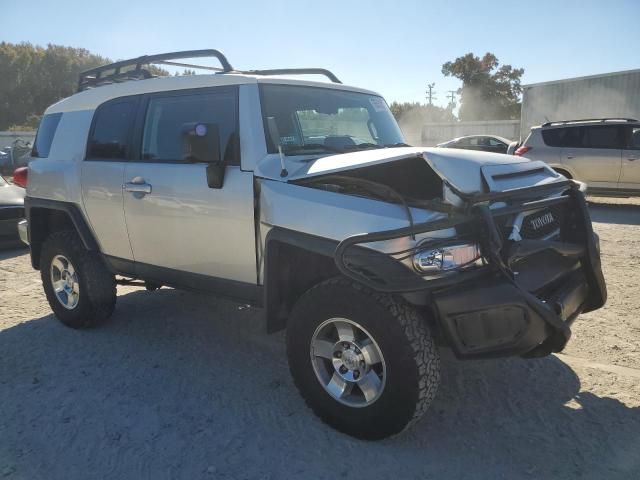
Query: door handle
{"points": [[137, 185], [569, 156], [632, 159]]}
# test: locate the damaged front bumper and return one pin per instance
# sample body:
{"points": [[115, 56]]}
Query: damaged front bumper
{"points": [[526, 297]]}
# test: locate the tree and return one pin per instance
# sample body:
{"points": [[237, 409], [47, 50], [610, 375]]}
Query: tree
{"points": [[413, 116], [34, 77], [489, 91], [417, 112]]}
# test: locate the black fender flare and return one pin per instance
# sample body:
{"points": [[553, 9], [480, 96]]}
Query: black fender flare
{"points": [[279, 271], [38, 229]]}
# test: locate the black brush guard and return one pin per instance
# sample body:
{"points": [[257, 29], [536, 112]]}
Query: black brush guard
{"points": [[489, 311]]}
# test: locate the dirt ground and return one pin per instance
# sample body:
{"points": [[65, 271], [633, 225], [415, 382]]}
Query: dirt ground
{"points": [[181, 385]]}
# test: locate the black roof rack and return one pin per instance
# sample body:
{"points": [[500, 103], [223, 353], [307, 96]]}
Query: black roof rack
{"points": [[295, 71], [133, 69], [614, 119], [103, 75]]}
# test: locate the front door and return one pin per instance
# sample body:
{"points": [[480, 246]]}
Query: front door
{"points": [[630, 176], [177, 224]]}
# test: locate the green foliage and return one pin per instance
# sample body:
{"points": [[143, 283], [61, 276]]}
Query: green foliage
{"points": [[31, 124], [489, 91], [35, 77], [418, 113]]}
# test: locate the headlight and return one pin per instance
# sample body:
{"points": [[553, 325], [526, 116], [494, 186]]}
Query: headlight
{"points": [[446, 258], [581, 186]]}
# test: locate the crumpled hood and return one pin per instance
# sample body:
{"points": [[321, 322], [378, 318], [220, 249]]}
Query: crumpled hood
{"points": [[464, 169], [11, 195]]}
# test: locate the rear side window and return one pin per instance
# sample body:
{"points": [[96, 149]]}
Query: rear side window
{"points": [[554, 137], [44, 137], [166, 116], [597, 136], [110, 137]]}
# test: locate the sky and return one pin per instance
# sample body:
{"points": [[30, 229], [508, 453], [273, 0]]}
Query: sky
{"points": [[393, 47]]}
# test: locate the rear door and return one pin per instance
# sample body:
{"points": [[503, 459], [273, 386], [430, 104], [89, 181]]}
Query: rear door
{"points": [[594, 154], [630, 176], [102, 172], [176, 223]]}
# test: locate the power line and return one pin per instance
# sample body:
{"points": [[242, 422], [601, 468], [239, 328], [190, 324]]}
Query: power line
{"points": [[452, 97], [430, 93]]}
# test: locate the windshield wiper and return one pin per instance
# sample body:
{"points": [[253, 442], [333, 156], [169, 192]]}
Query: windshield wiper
{"points": [[368, 145], [362, 146], [314, 147], [296, 149]]}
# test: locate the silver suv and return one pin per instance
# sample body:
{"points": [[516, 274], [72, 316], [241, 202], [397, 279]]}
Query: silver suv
{"points": [[604, 153], [301, 198]]}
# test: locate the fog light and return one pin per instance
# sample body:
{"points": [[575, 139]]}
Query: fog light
{"points": [[446, 258]]}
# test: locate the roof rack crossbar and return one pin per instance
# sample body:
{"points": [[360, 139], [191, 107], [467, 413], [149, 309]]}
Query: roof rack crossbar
{"points": [[190, 65], [295, 71], [612, 119], [96, 76]]}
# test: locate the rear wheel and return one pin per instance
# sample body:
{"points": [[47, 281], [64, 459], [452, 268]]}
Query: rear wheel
{"points": [[79, 288], [364, 362]]}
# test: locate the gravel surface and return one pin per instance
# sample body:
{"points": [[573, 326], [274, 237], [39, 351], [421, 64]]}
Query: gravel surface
{"points": [[181, 385]]}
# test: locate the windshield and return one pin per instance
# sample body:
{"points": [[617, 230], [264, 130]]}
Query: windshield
{"points": [[307, 120]]}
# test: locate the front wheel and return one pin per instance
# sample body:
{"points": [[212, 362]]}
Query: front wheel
{"points": [[364, 362]]}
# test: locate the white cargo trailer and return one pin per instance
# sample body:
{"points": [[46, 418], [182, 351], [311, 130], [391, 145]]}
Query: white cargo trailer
{"points": [[610, 95]]}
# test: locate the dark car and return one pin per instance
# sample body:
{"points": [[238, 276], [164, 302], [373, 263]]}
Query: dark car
{"points": [[485, 143], [11, 212]]}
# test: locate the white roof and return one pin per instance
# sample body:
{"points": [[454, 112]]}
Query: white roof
{"points": [[91, 98]]}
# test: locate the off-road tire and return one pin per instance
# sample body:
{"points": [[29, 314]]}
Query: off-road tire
{"points": [[97, 285], [412, 360]]}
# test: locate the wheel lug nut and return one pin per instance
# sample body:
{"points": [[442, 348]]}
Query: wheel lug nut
{"points": [[343, 369], [356, 374], [337, 354], [362, 363], [345, 345], [357, 350]]}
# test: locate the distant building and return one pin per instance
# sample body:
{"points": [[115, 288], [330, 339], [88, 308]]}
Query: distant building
{"points": [[614, 95]]}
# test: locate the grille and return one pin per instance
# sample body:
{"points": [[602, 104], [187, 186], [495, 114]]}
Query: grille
{"points": [[11, 213], [540, 224]]}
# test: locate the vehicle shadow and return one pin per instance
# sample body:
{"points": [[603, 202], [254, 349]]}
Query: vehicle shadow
{"points": [[12, 249], [620, 214], [180, 385]]}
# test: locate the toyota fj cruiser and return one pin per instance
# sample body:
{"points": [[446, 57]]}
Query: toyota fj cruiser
{"points": [[301, 197]]}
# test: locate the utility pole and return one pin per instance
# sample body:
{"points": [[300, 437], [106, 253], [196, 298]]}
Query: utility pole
{"points": [[452, 97], [430, 93]]}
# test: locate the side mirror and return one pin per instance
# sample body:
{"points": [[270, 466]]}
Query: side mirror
{"points": [[201, 144]]}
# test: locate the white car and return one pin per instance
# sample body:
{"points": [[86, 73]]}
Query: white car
{"points": [[301, 197]]}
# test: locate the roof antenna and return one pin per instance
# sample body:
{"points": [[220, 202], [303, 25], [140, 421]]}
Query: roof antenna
{"points": [[275, 138]]}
